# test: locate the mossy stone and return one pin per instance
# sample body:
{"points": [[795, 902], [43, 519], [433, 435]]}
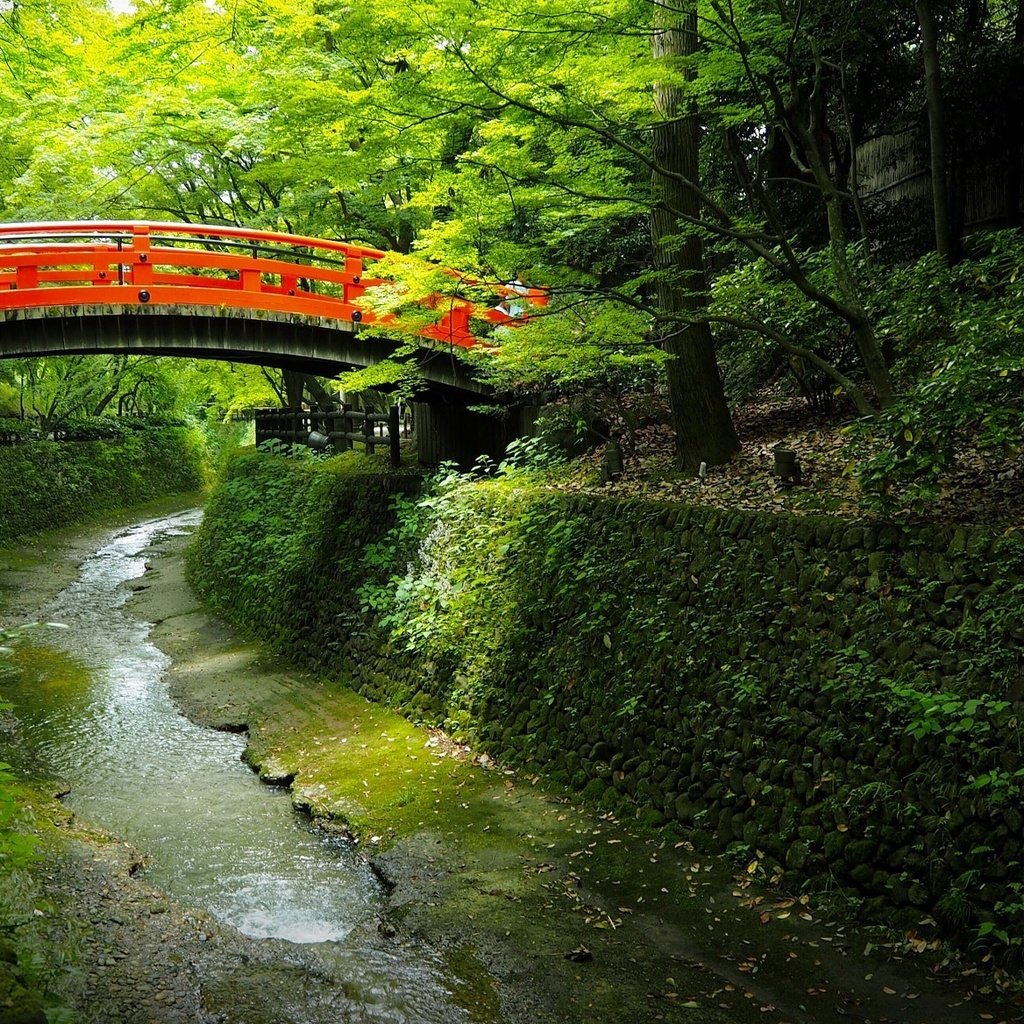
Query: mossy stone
{"points": [[860, 851], [796, 855], [651, 817], [801, 783], [862, 875], [834, 843], [918, 895], [878, 562], [684, 809]]}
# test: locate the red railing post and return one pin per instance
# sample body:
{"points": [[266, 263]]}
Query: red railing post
{"points": [[26, 277], [142, 269], [351, 290]]}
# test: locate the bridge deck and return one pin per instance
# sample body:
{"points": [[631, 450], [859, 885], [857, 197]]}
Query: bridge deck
{"points": [[59, 267], [320, 345]]}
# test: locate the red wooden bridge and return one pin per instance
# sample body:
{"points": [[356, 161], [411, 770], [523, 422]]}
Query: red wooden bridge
{"points": [[220, 292]]}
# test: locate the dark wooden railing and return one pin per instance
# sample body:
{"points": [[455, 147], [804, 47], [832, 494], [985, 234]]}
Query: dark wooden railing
{"points": [[343, 427]]}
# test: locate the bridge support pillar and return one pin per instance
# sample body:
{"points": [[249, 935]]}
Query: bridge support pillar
{"points": [[452, 432]]}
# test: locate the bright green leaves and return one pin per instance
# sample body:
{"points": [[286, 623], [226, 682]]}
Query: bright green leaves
{"points": [[399, 379], [571, 348]]}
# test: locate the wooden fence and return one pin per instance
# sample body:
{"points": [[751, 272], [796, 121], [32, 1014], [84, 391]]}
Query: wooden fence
{"points": [[894, 168], [343, 428]]}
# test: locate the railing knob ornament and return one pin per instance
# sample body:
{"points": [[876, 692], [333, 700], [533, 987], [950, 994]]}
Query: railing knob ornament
{"points": [[143, 296], [357, 316]]}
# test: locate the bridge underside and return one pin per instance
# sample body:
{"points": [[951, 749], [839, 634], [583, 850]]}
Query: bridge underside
{"points": [[307, 344]]}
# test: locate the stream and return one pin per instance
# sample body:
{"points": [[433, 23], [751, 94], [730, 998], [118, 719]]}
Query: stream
{"points": [[93, 711], [102, 720]]}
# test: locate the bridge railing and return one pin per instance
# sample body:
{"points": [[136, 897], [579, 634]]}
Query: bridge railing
{"points": [[343, 428], [120, 263]]}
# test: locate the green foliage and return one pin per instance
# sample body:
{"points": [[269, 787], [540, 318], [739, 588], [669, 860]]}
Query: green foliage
{"points": [[960, 333], [401, 379], [105, 390], [90, 428], [1006, 931], [754, 294], [966, 727], [604, 345], [295, 529], [45, 485], [12, 429], [465, 561]]}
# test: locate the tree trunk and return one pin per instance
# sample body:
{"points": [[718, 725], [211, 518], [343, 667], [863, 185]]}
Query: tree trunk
{"points": [[814, 139], [700, 416], [944, 241], [294, 384], [318, 395], [101, 406], [864, 335]]}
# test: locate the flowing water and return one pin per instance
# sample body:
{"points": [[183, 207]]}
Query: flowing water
{"points": [[93, 710], [102, 720]]}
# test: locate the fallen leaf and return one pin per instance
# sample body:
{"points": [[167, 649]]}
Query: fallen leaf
{"points": [[579, 955]]}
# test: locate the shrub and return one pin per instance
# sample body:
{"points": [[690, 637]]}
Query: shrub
{"points": [[44, 485]]}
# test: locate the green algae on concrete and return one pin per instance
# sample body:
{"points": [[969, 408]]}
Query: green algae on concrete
{"points": [[43, 669]]}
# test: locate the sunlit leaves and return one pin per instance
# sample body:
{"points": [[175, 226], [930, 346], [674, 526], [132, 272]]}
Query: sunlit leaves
{"points": [[604, 343]]}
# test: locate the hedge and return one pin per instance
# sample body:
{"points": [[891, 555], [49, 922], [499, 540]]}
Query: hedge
{"points": [[45, 484]]}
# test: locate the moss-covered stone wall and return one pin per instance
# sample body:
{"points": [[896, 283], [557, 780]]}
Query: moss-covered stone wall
{"points": [[840, 702], [44, 485]]}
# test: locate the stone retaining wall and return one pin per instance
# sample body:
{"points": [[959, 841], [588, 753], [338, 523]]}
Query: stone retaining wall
{"points": [[840, 702]]}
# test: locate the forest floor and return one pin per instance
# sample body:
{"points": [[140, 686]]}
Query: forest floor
{"points": [[982, 488]]}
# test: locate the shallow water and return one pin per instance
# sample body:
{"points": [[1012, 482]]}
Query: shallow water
{"points": [[94, 710]]}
